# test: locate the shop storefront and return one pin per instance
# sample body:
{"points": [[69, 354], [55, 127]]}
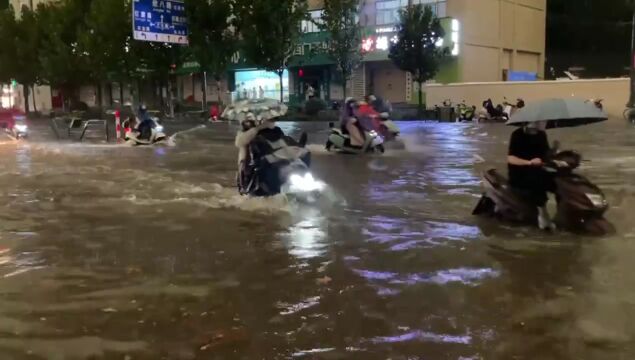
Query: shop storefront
{"points": [[382, 78], [259, 84], [311, 68]]}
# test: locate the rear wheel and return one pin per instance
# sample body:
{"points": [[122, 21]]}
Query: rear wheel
{"points": [[329, 145], [380, 149]]}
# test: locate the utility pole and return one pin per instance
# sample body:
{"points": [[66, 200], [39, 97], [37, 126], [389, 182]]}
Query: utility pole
{"points": [[631, 100]]}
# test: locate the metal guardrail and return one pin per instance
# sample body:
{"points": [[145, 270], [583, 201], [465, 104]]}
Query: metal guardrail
{"points": [[76, 128], [96, 122]]}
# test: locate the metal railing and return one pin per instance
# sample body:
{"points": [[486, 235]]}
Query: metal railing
{"points": [[76, 128]]}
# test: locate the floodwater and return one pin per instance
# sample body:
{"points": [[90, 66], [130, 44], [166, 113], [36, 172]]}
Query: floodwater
{"points": [[149, 253]]}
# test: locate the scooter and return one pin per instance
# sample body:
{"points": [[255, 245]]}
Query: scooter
{"points": [[466, 113], [341, 142], [284, 171], [509, 108], [489, 113], [157, 136], [387, 128], [581, 204], [20, 129]]}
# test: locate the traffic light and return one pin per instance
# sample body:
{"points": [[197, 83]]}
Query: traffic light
{"points": [[301, 73]]}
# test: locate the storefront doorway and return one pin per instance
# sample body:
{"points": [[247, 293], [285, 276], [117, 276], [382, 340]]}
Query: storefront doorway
{"points": [[317, 77], [257, 84]]}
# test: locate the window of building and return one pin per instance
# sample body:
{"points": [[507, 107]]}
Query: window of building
{"points": [[387, 11], [311, 26]]}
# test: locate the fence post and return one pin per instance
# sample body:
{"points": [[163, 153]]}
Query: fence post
{"points": [[118, 125]]}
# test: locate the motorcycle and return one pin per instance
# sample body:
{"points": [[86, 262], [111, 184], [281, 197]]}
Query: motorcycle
{"points": [[157, 135], [341, 142], [509, 108], [387, 128], [13, 122], [489, 113], [271, 170], [466, 113], [384, 126], [20, 129], [581, 204]]}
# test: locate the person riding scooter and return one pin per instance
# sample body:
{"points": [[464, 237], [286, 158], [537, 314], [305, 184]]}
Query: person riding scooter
{"points": [[528, 151], [494, 112], [146, 124], [263, 150], [350, 123]]}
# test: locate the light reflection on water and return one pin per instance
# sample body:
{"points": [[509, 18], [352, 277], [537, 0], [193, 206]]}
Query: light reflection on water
{"points": [[424, 336], [470, 277]]}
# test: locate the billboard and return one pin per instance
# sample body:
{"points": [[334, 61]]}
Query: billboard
{"points": [[521, 76], [160, 21]]}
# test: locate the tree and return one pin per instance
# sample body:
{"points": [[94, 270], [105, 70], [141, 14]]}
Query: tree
{"points": [[416, 50], [105, 43], [19, 56], [62, 65], [270, 32], [27, 53], [341, 22], [212, 37], [8, 33]]}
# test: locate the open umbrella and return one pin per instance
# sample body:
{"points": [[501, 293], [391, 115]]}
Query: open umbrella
{"points": [[559, 113], [264, 109]]}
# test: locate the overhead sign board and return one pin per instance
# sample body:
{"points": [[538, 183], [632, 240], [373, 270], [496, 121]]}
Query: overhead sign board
{"points": [[160, 21]]}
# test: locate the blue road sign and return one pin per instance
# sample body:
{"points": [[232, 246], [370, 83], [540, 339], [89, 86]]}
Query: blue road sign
{"points": [[159, 20]]}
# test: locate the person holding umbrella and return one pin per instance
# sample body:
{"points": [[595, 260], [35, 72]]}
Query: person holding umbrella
{"points": [[528, 151], [529, 148]]}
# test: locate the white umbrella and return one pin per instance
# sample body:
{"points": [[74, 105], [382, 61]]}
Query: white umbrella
{"points": [[559, 113]]}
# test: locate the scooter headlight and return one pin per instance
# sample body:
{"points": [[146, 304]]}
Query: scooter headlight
{"points": [[597, 200], [159, 128], [21, 128], [373, 133], [305, 183]]}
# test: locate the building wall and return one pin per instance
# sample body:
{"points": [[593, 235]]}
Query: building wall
{"points": [[41, 97], [500, 34], [615, 92], [386, 81]]}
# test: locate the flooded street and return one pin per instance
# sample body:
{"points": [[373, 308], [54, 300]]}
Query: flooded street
{"points": [[149, 253]]}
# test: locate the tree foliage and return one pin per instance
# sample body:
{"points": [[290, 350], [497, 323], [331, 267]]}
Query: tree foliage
{"points": [[19, 56], [61, 60], [8, 33], [105, 41], [213, 40], [416, 50], [270, 32], [341, 22]]}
